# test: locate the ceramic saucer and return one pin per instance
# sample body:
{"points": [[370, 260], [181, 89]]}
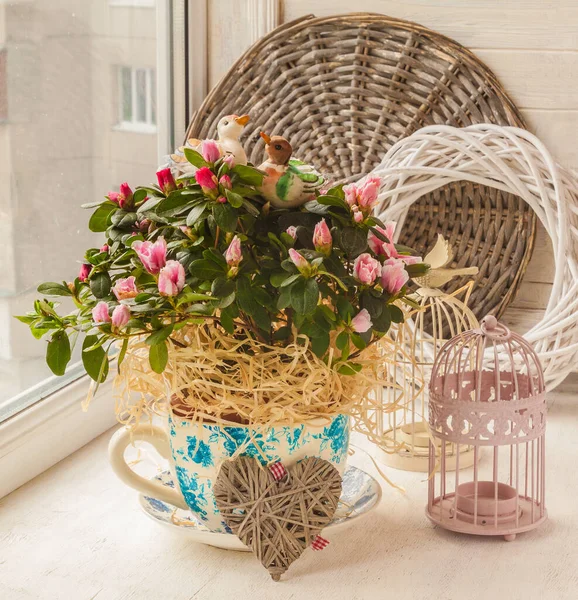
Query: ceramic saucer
{"points": [[360, 494]]}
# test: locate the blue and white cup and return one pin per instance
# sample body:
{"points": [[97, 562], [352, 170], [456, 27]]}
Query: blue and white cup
{"points": [[197, 450]]}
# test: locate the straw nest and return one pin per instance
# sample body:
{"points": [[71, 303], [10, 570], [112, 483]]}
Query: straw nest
{"points": [[216, 377]]}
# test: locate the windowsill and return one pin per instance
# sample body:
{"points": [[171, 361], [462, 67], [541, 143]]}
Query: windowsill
{"points": [[136, 128], [78, 532]]}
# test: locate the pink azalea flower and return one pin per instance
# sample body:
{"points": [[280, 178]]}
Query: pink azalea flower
{"points": [[383, 248], [362, 321], [152, 256], [225, 182], [171, 278], [298, 259], [234, 254], [166, 180], [125, 288], [350, 192], [206, 179], [322, 239], [366, 269], [210, 150], [393, 275], [122, 198], [292, 231], [100, 313], [84, 272], [120, 316], [367, 193], [229, 160], [104, 248]]}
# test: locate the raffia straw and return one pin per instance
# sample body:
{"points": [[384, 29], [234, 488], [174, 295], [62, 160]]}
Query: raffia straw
{"points": [[213, 376]]}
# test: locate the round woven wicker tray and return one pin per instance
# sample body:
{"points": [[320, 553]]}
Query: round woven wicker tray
{"points": [[344, 89]]}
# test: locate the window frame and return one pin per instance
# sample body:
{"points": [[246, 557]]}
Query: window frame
{"points": [[135, 125]]}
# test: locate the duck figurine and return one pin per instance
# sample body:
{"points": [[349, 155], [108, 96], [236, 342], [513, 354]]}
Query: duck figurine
{"points": [[439, 257], [229, 130], [288, 182]]}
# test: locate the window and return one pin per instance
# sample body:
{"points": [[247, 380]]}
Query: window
{"points": [[59, 149], [137, 103]]}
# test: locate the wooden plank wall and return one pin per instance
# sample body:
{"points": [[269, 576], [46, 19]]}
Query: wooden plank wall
{"points": [[532, 46]]}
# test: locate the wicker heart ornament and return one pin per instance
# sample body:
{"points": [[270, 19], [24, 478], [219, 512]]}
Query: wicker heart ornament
{"points": [[277, 520]]}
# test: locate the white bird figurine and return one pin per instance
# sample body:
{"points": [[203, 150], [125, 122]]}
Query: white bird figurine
{"points": [[229, 130], [440, 256], [288, 182]]}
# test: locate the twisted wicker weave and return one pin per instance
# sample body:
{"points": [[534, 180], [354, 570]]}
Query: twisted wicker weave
{"points": [[514, 161], [344, 89]]}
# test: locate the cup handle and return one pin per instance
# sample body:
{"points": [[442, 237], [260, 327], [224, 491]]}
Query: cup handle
{"points": [[158, 438]]}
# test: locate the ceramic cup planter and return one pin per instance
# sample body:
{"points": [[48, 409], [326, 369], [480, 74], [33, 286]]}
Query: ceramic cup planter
{"points": [[196, 450]]}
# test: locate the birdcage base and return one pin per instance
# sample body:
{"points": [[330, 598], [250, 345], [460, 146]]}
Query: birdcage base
{"points": [[444, 513]]}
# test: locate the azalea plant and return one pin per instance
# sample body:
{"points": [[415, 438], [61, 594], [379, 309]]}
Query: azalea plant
{"points": [[205, 248]]}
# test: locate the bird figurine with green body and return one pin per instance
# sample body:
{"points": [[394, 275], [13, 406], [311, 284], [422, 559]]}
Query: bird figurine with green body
{"points": [[288, 182]]}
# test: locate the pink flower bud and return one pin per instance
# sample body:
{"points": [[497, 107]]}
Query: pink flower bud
{"points": [[393, 275], [229, 160], [84, 272], [298, 259], [166, 180], [210, 150], [100, 313], [125, 288], [367, 193], [366, 269], [120, 316], [362, 321], [116, 198], [152, 256], [350, 192], [292, 231], [322, 239], [104, 248], [222, 200], [206, 179], [143, 226], [383, 248], [122, 198], [171, 278], [126, 192], [358, 217], [225, 182], [234, 254]]}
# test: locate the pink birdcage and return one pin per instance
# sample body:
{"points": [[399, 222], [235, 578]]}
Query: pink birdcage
{"points": [[487, 391]]}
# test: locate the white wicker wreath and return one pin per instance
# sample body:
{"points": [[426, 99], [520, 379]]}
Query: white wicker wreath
{"points": [[515, 161]]}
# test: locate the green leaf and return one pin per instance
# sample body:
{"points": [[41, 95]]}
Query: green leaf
{"points": [[383, 322], [417, 269], [149, 204], [93, 358], [225, 216], [174, 204], [193, 297], [276, 279], [54, 289], [358, 341], [235, 200], [221, 287], [100, 284], [249, 175], [289, 280], [353, 240], [304, 296], [252, 210], [158, 357], [123, 219], [342, 340], [58, 353], [333, 201], [247, 303], [195, 158], [195, 213], [206, 269], [283, 333], [320, 344], [227, 321], [159, 336], [396, 314], [344, 308], [101, 217], [349, 369], [122, 353]]}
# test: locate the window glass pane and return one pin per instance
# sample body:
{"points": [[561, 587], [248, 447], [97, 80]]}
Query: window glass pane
{"points": [[153, 98], [126, 93], [141, 95], [66, 78]]}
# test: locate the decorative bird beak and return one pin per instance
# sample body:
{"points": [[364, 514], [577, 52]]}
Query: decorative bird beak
{"points": [[242, 120], [265, 137]]}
